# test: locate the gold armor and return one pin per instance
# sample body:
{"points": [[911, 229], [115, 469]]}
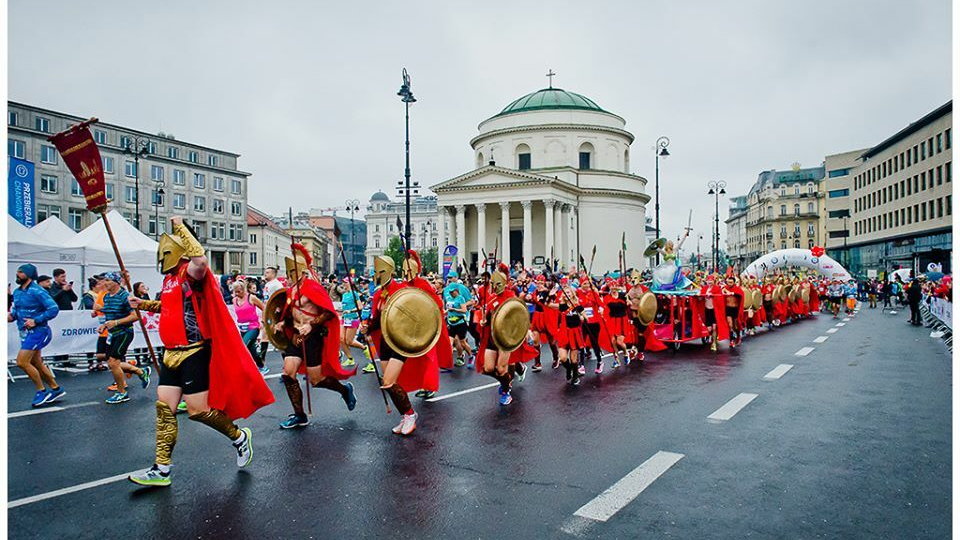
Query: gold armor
{"points": [[295, 268], [498, 282], [647, 308], [171, 249], [509, 325], [383, 268], [411, 268], [166, 433]]}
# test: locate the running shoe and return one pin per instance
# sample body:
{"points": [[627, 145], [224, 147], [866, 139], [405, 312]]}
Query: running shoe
{"points": [[459, 361], [182, 406], [575, 381], [505, 397], [117, 398], [264, 370], [599, 369], [145, 376], [537, 367], [521, 372], [366, 353], [39, 398], [54, 395], [616, 363], [112, 388], [399, 427], [349, 362], [369, 368], [556, 363], [470, 360], [351, 398], [294, 421], [420, 393], [152, 477], [427, 394], [408, 424], [582, 370], [244, 446]]}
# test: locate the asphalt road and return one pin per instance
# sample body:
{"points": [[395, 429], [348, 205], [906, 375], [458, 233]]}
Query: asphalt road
{"points": [[853, 441]]}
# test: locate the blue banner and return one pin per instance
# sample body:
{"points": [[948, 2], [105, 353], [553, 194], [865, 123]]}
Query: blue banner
{"points": [[449, 259], [22, 204]]}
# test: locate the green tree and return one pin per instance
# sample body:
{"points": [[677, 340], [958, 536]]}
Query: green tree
{"points": [[429, 258], [395, 251]]}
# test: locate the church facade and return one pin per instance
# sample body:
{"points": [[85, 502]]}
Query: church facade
{"points": [[551, 180]]}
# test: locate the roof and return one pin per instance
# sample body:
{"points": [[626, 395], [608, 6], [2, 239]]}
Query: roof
{"points": [[256, 218], [379, 197], [551, 98], [914, 127]]}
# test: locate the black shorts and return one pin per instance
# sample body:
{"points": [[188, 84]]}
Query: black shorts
{"points": [[733, 312], [386, 353], [192, 375], [835, 299], [119, 342], [314, 348], [709, 318], [458, 331], [102, 345]]}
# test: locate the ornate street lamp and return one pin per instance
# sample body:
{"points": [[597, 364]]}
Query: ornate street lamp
{"points": [[140, 147], [660, 150], [406, 96], [716, 189]]}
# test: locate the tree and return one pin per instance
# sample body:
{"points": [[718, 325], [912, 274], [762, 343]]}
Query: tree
{"points": [[429, 258], [395, 251]]}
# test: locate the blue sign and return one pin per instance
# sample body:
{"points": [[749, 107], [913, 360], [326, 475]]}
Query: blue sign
{"points": [[449, 259], [22, 202]]}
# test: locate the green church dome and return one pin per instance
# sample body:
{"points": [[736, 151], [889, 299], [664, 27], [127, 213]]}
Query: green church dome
{"points": [[551, 99]]}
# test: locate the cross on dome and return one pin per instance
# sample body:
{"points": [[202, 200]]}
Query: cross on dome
{"points": [[550, 75]]}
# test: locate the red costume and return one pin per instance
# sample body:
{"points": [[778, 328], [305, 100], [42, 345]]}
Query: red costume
{"points": [[421, 372], [524, 353], [715, 292], [330, 356]]}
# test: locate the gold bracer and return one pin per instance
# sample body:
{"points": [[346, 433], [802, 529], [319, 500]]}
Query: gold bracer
{"points": [[172, 358], [153, 306], [191, 246], [166, 433]]}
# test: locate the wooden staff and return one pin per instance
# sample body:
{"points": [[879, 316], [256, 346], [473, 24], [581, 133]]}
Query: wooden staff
{"points": [[296, 286]]}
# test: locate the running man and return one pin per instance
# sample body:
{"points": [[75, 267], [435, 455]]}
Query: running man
{"points": [[32, 309], [119, 318]]}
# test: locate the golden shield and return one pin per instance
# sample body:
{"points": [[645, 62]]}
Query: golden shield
{"points": [[272, 314], [411, 322], [509, 325], [793, 295], [757, 299], [805, 294], [779, 293], [647, 308]]}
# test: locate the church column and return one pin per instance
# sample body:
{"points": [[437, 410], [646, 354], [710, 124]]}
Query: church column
{"points": [[548, 206], [442, 227], [505, 231], [481, 230], [564, 254], [558, 231], [461, 228], [527, 233], [574, 237]]}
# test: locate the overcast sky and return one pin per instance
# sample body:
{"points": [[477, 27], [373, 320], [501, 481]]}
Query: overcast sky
{"points": [[306, 91]]}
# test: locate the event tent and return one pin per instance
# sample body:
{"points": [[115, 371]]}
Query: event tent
{"points": [[54, 231], [138, 250], [26, 246]]}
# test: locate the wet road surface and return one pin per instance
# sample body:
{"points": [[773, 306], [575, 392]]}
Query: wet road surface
{"points": [[790, 435]]}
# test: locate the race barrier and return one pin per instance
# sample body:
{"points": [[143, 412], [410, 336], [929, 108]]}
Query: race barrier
{"points": [[75, 332], [942, 310]]}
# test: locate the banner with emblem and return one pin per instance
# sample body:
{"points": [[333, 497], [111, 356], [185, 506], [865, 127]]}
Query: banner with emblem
{"points": [[21, 200], [82, 157], [449, 259]]}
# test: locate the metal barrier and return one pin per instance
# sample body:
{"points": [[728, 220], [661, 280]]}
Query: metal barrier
{"points": [[938, 325]]}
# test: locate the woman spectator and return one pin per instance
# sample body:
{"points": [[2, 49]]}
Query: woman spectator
{"points": [[141, 291], [248, 321]]}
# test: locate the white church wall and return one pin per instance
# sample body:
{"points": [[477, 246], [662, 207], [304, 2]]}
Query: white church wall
{"points": [[603, 220], [554, 148], [533, 118]]}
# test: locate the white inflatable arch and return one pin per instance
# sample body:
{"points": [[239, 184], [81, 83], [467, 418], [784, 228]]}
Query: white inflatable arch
{"points": [[785, 258]]}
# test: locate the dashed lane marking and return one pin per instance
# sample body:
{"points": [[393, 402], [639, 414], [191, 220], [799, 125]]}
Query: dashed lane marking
{"points": [[839, 324], [462, 392], [732, 407], [273, 376], [846, 319], [55, 408], [617, 496], [820, 339], [833, 330], [778, 372], [804, 351], [68, 490]]}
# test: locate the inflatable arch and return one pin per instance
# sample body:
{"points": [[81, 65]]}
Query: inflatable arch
{"points": [[785, 258]]}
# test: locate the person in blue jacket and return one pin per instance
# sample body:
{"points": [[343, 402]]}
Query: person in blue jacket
{"points": [[32, 309]]}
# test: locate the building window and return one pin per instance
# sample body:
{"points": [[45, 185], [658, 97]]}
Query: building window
{"points": [[839, 213], [130, 194], [42, 124], [179, 177], [218, 183], [124, 141], [44, 211], [199, 180], [108, 190], [923, 153], [218, 206], [939, 142], [253, 238], [783, 209], [100, 136], [833, 193], [838, 172], [796, 209], [796, 189], [48, 154], [585, 150], [811, 230], [253, 258], [199, 203], [156, 197], [949, 167], [173, 152], [235, 208], [75, 219], [946, 136], [212, 160], [810, 208], [48, 183], [130, 169], [376, 242], [222, 228], [235, 186], [75, 188], [523, 161], [107, 164], [179, 201], [15, 148], [156, 173], [13, 118], [151, 147], [193, 156]]}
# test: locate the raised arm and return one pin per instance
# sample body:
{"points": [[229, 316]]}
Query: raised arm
{"points": [[192, 249]]}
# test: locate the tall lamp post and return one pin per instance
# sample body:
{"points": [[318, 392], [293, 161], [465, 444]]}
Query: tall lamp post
{"points": [[406, 96], [140, 147], [699, 238], [660, 150], [157, 201], [716, 189], [353, 205]]}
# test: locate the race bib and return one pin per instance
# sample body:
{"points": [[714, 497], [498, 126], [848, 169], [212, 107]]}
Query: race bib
{"points": [[243, 327]]}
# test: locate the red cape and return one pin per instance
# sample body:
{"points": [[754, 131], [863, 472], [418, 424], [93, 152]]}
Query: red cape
{"points": [[442, 350], [590, 298], [524, 353], [236, 386], [421, 372], [330, 356], [720, 314]]}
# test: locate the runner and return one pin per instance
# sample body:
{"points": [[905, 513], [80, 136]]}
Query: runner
{"points": [[350, 302], [32, 309], [502, 365], [119, 318], [245, 307], [570, 337], [456, 307], [270, 286]]}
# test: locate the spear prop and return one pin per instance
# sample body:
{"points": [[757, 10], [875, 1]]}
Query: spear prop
{"points": [[596, 298], [296, 287]]}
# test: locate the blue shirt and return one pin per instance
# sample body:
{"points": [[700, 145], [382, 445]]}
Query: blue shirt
{"points": [[35, 303], [456, 317], [349, 304], [117, 306], [463, 290]]}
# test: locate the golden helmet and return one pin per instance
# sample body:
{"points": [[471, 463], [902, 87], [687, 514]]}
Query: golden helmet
{"points": [[296, 269], [170, 251], [383, 268], [498, 282], [411, 265], [635, 278]]}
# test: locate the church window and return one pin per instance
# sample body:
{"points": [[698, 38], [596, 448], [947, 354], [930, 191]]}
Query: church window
{"points": [[523, 157], [480, 162], [586, 149]]}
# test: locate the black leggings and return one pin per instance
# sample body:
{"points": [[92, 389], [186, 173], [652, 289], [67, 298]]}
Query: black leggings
{"points": [[593, 334]]}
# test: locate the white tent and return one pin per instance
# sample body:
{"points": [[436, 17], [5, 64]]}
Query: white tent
{"points": [[54, 231], [26, 246], [138, 250]]}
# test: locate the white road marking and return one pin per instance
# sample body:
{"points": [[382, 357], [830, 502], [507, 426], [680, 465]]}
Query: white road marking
{"points": [[68, 490], [846, 319], [833, 330], [462, 392], [273, 376], [55, 408], [778, 372], [70, 369], [839, 324], [804, 351], [611, 501], [893, 312], [820, 339], [732, 407]]}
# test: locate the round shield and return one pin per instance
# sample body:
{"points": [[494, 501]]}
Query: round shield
{"points": [[654, 246], [509, 324], [805, 294], [411, 322], [757, 299], [272, 314], [793, 295], [647, 309], [779, 293]]}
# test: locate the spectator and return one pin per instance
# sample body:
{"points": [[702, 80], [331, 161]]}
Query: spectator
{"points": [[270, 285], [141, 291], [45, 282], [62, 290], [245, 307], [32, 309], [914, 295], [89, 297]]}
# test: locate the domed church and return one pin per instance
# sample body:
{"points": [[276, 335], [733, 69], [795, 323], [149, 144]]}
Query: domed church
{"points": [[552, 179]]}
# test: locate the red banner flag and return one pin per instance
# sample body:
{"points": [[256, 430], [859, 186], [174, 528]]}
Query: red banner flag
{"points": [[82, 156]]}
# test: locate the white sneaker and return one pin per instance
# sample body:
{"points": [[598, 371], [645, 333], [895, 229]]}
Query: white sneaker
{"points": [[244, 448], [408, 424], [399, 427]]}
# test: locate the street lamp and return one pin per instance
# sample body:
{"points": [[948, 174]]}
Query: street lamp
{"points": [[353, 205], [140, 147], [659, 150], [157, 201], [699, 238], [406, 96], [716, 189]]}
